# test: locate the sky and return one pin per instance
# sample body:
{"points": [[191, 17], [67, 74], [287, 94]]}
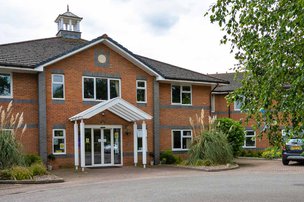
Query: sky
{"points": [[172, 31]]}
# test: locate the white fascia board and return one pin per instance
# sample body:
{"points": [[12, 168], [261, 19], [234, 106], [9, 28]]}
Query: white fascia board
{"points": [[41, 67], [220, 93], [133, 60], [19, 69], [191, 82]]}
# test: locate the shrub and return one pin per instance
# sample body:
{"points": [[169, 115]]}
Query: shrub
{"points": [[10, 148], [30, 159], [272, 153], [234, 131], [210, 148], [20, 173], [38, 169], [5, 174], [167, 157], [251, 153]]}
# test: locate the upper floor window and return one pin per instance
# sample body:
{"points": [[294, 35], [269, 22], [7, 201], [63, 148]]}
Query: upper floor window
{"points": [[250, 139], [181, 139], [58, 86], [181, 94], [5, 85], [238, 103], [212, 103], [95, 88], [141, 91]]}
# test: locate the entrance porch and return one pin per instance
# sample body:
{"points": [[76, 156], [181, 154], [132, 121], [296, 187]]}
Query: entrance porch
{"points": [[101, 145]]}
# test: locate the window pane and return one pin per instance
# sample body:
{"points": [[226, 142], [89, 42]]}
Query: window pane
{"points": [[186, 98], [186, 88], [250, 141], [57, 90], [186, 142], [88, 87], [57, 78], [250, 133], [140, 84], [186, 133], [59, 145], [101, 89], [176, 139], [139, 143], [5, 85], [141, 95], [58, 133], [114, 88], [176, 94], [237, 105]]}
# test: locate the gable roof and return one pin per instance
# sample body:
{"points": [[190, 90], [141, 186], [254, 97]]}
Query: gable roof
{"points": [[118, 106], [42, 52], [234, 82]]}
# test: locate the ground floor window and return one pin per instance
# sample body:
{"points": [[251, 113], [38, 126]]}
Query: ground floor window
{"points": [[59, 142], [250, 139], [139, 140], [181, 139]]}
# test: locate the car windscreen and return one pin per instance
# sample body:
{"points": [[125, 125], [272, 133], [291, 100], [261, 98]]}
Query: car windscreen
{"points": [[295, 141]]}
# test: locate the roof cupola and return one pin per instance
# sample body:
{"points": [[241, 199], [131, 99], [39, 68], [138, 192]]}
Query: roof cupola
{"points": [[68, 25]]}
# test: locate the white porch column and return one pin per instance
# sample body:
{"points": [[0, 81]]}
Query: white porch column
{"points": [[144, 144], [135, 143], [76, 152], [70, 25], [82, 151]]}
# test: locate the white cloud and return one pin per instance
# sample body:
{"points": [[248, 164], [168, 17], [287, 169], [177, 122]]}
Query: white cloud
{"points": [[172, 31]]}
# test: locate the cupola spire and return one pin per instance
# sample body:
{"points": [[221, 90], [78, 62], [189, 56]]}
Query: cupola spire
{"points": [[68, 25]]}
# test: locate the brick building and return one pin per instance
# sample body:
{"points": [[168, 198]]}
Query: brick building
{"points": [[95, 103]]}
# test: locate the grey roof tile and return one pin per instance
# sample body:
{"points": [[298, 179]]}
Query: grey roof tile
{"points": [[233, 78], [31, 53]]}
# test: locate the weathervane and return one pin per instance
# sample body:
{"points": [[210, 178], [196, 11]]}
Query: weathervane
{"points": [[68, 10]]}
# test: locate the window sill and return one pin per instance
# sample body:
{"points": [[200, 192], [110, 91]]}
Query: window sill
{"points": [[6, 97], [249, 147], [177, 104]]}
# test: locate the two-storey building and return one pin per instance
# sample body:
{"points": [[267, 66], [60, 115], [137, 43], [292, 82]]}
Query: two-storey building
{"points": [[95, 103]]}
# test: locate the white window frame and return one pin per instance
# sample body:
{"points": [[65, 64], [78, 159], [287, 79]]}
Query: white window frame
{"points": [[108, 87], [64, 138], [11, 87], [241, 100], [56, 82], [244, 146], [182, 136], [212, 103], [141, 88], [181, 94]]}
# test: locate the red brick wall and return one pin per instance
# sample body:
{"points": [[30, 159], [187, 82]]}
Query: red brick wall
{"points": [[25, 96], [179, 115]]}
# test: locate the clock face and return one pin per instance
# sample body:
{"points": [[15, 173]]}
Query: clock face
{"points": [[101, 58]]}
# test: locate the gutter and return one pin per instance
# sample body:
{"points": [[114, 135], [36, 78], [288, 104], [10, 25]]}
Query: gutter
{"points": [[21, 69]]}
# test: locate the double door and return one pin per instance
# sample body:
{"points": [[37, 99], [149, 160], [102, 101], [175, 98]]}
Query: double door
{"points": [[102, 146]]}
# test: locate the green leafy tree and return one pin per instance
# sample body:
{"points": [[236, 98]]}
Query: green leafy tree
{"points": [[267, 38]]}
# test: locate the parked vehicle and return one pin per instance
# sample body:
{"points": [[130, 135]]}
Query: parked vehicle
{"points": [[293, 150]]}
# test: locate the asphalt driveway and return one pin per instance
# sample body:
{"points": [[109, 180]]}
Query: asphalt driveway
{"points": [[255, 180]]}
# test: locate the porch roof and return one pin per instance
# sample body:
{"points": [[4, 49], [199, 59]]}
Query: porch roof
{"points": [[118, 106]]}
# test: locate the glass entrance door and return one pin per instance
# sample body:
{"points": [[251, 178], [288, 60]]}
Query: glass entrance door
{"points": [[107, 146], [102, 146]]}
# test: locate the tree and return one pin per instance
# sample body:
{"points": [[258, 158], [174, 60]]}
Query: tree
{"points": [[235, 133], [267, 39]]}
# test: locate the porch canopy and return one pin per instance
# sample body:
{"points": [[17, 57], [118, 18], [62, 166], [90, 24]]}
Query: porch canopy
{"points": [[121, 108]]}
